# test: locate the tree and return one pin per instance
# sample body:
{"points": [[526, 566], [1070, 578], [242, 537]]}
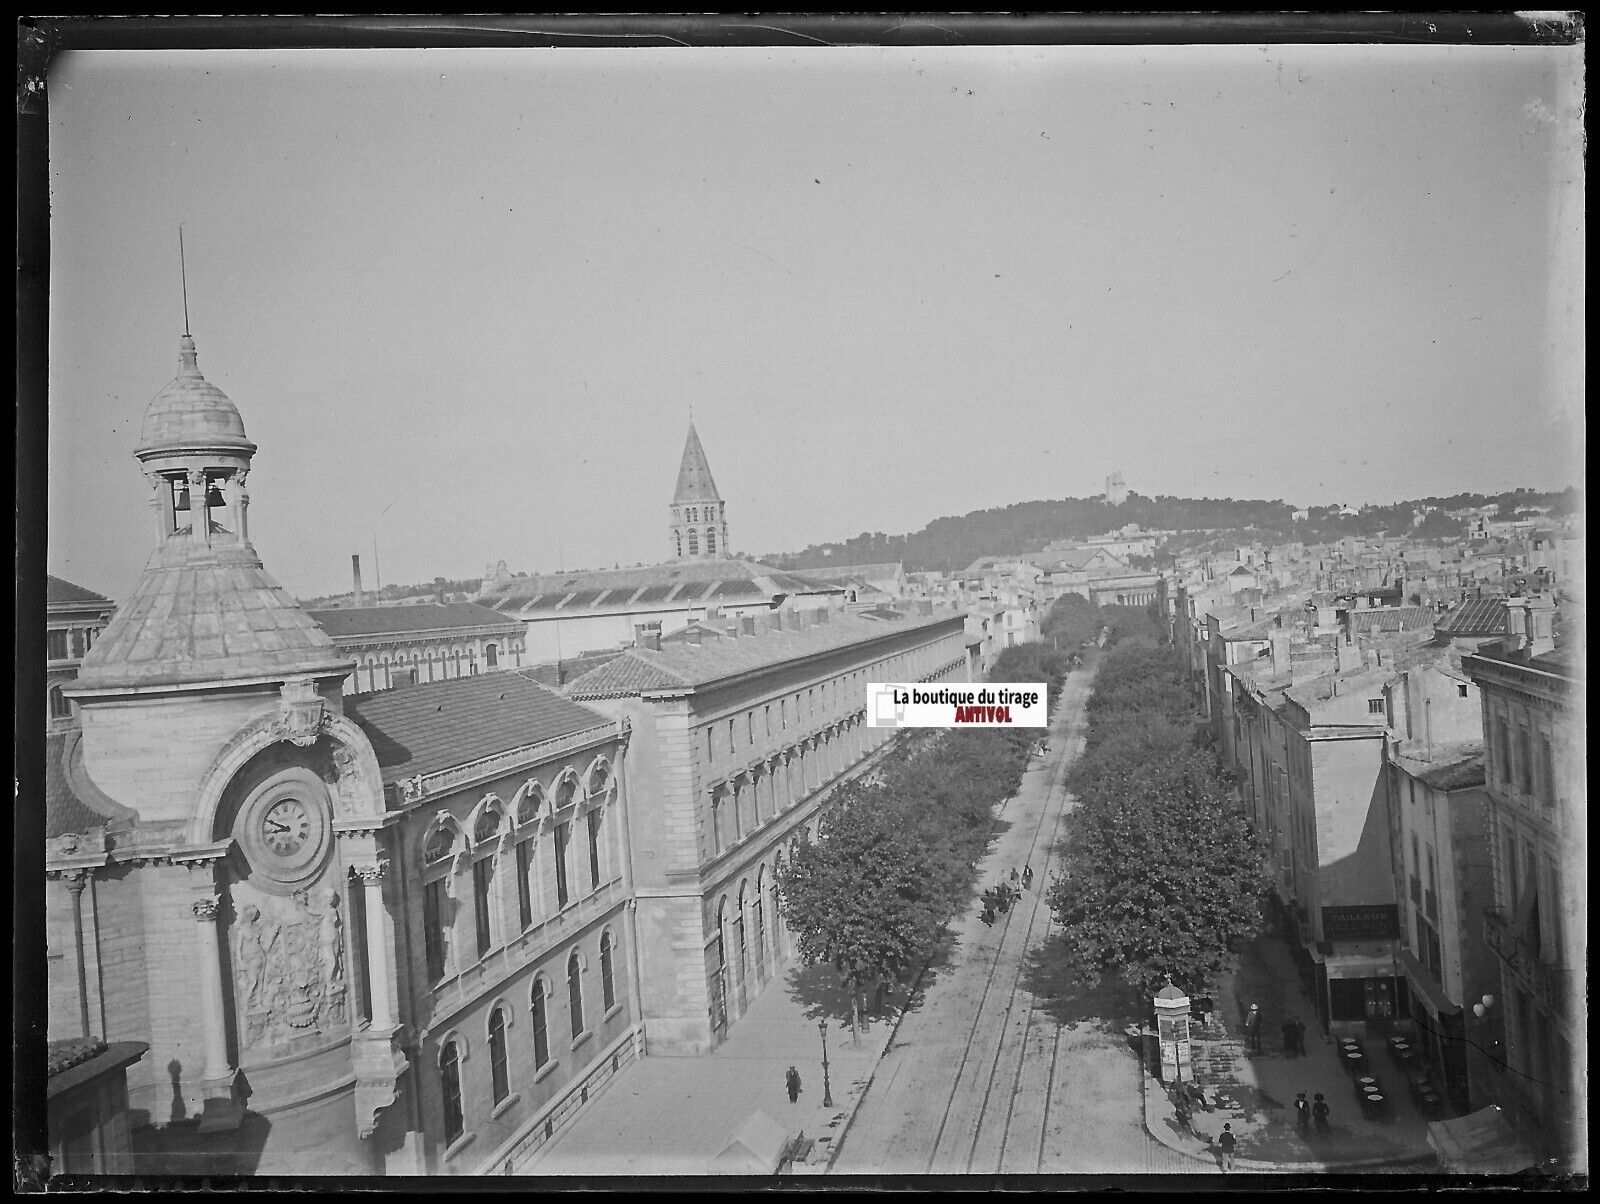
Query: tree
{"points": [[1161, 871], [869, 896]]}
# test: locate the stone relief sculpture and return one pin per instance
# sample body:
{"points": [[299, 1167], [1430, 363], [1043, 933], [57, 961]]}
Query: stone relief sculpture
{"points": [[289, 969]]}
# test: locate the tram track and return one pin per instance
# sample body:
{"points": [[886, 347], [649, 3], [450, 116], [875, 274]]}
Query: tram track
{"points": [[949, 1157]]}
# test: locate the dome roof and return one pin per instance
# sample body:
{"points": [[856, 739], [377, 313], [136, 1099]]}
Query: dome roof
{"points": [[190, 410]]}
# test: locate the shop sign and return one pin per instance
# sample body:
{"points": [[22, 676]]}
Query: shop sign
{"points": [[1367, 922]]}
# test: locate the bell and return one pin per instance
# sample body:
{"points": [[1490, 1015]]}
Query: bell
{"points": [[183, 500], [214, 497]]}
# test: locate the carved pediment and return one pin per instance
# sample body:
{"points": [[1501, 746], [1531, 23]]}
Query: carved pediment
{"points": [[302, 713]]}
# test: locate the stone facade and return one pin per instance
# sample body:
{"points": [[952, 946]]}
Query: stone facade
{"points": [[726, 767]]}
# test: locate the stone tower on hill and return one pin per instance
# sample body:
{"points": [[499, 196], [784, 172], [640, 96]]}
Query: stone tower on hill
{"points": [[699, 522]]}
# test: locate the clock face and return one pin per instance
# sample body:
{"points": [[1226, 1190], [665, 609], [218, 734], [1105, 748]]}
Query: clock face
{"points": [[284, 830], [285, 827]]}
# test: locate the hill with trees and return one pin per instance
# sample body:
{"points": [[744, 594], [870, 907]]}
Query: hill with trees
{"points": [[951, 543]]}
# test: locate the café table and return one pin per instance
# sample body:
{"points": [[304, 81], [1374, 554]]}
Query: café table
{"points": [[1372, 1105], [1354, 1059]]}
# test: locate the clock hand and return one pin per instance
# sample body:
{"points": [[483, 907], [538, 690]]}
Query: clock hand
{"points": [[276, 826]]}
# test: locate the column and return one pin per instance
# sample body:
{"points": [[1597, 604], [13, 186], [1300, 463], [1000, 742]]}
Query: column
{"points": [[378, 978], [212, 1007]]}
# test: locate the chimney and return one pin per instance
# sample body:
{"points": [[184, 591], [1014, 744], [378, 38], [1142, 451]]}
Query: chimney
{"points": [[647, 635], [357, 598], [692, 635]]}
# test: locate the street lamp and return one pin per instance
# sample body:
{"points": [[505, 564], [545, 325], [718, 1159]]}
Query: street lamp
{"points": [[827, 1087], [1481, 1008]]}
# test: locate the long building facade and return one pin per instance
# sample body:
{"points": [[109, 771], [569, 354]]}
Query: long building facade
{"points": [[736, 741]]}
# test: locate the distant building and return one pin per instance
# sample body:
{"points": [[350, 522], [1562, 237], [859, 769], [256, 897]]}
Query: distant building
{"points": [[408, 645], [1116, 490], [565, 614], [74, 616]]}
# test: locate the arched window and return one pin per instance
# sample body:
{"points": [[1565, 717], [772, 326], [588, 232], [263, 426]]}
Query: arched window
{"points": [[60, 704], [497, 1055], [492, 655], [575, 994], [440, 844], [694, 542], [608, 984], [757, 902], [711, 541], [487, 827], [450, 1087], [541, 1028]]}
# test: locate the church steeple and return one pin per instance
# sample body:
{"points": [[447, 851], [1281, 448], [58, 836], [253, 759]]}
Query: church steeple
{"points": [[699, 524]]}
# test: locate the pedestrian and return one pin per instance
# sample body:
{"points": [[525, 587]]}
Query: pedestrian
{"points": [[1027, 877], [1015, 877], [1288, 1037], [1302, 1112], [1252, 1027], [1226, 1141], [792, 1082], [1300, 1036], [1319, 1113], [1208, 1008]]}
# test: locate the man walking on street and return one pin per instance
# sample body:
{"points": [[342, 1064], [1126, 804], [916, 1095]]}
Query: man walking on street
{"points": [[1319, 1113], [1252, 1028], [1302, 1112], [1027, 877], [1226, 1143], [1300, 1036], [792, 1082]]}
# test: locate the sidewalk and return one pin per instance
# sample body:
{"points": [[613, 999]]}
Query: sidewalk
{"points": [[672, 1115], [1258, 1090]]}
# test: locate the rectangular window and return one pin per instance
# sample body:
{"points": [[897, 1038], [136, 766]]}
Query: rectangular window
{"points": [[1524, 760], [563, 837], [77, 642], [482, 879], [767, 710], [55, 643], [1502, 751], [433, 900], [711, 754], [1374, 706], [594, 847], [1461, 691], [1547, 763], [750, 726], [525, 883]]}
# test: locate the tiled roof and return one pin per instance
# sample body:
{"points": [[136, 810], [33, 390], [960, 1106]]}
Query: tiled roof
{"points": [[64, 1055], [555, 676], [1391, 618], [845, 572], [65, 593], [426, 728], [64, 811], [673, 582], [360, 621], [1474, 617], [677, 666]]}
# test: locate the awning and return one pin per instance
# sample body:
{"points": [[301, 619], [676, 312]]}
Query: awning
{"points": [[758, 1148], [1481, 1143], [1424, 987]]}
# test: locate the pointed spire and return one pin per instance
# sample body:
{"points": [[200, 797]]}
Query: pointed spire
{"points": [[188, 358], [694, 473]]}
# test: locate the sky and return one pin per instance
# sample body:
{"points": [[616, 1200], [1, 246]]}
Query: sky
{"points": [[467, 300]]}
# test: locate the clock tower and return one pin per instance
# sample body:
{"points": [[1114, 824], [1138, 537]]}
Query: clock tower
{"points": [[249, 837]]}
